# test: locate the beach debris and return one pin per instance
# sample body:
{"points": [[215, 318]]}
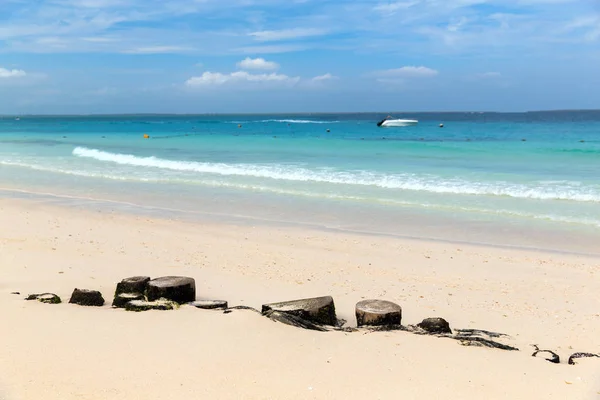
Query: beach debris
{"points": [[318, 310], [481, 338], [47, 298], [435, 325], [176, 288], [210, 304], [294, 320], [18, 293], [377, 313], [121, 300], [230, 309], [581, 355], [547, 355], [89, 298], [134, 284], [482, 342], [159, 304], [468, 337]]}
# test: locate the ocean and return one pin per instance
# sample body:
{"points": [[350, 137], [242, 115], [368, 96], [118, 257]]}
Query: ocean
{"points": [[522, 179]]}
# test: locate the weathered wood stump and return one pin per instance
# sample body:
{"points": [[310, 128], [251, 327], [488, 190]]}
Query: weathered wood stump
{"points": [[210, 304], [135, 284], [378, 313], [435, 325], [89, 298], [122, 299], [320, 310], [176, 288], [48, 298], [142, 305]]}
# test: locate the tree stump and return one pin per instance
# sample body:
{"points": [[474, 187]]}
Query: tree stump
{"points": [[210, 304], [435, 325], [176, 288], [89, 298], [135, 284], [122, 299], [378, 313], [320, 310]]}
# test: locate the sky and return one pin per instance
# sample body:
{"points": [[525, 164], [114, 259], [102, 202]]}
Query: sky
{"points": [[238, 56]]}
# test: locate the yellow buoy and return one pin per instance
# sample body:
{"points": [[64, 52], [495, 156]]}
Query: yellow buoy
{"points": [[146, 136]]}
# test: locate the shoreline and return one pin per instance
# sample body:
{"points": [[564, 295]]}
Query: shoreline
{"points": [[77, 352], [202, 216]]}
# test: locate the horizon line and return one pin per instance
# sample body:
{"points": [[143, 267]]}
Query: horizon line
{"points": [[294, 113]]}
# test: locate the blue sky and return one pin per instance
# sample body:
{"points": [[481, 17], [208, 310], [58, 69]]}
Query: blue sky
{"points": [[197, 56]]}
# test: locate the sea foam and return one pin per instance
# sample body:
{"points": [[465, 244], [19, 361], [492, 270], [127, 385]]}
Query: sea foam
{"points": [[572, 191]]}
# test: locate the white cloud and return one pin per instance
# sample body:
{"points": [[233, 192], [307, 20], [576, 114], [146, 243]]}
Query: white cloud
{"points": [[286, 34], [326, 77], [429, 26], [11, 73], [589, 26], [407, 72], [391, 8], [284, 48], [157, 50], [99, 39], [91, 3], [257, 63], [218, 78]]}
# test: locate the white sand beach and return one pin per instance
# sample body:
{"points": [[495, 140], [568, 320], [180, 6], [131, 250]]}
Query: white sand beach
{"points": [[72, 352]]}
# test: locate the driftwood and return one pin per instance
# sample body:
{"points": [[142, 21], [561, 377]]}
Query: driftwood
{"points": [[552, 356], [241, 308], [294, 320], [480, 332], [483, 342], [580, 355]]}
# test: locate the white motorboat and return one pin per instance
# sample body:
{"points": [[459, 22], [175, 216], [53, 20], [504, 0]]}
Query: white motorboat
{"points": [[393, 122]]}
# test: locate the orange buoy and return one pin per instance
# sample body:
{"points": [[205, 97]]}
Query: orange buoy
{"points": [[146, 136]]}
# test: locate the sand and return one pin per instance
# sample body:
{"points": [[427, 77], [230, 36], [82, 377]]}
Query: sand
{"points": [[71, 352]]}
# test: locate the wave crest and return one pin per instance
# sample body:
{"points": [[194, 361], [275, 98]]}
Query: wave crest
{"points": [[572, 191]]}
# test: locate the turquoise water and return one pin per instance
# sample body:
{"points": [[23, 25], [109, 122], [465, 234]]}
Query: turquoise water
{"points": [[482, 172]]}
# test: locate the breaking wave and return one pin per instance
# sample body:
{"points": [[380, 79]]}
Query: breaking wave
{"points": [[572, 191]]}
